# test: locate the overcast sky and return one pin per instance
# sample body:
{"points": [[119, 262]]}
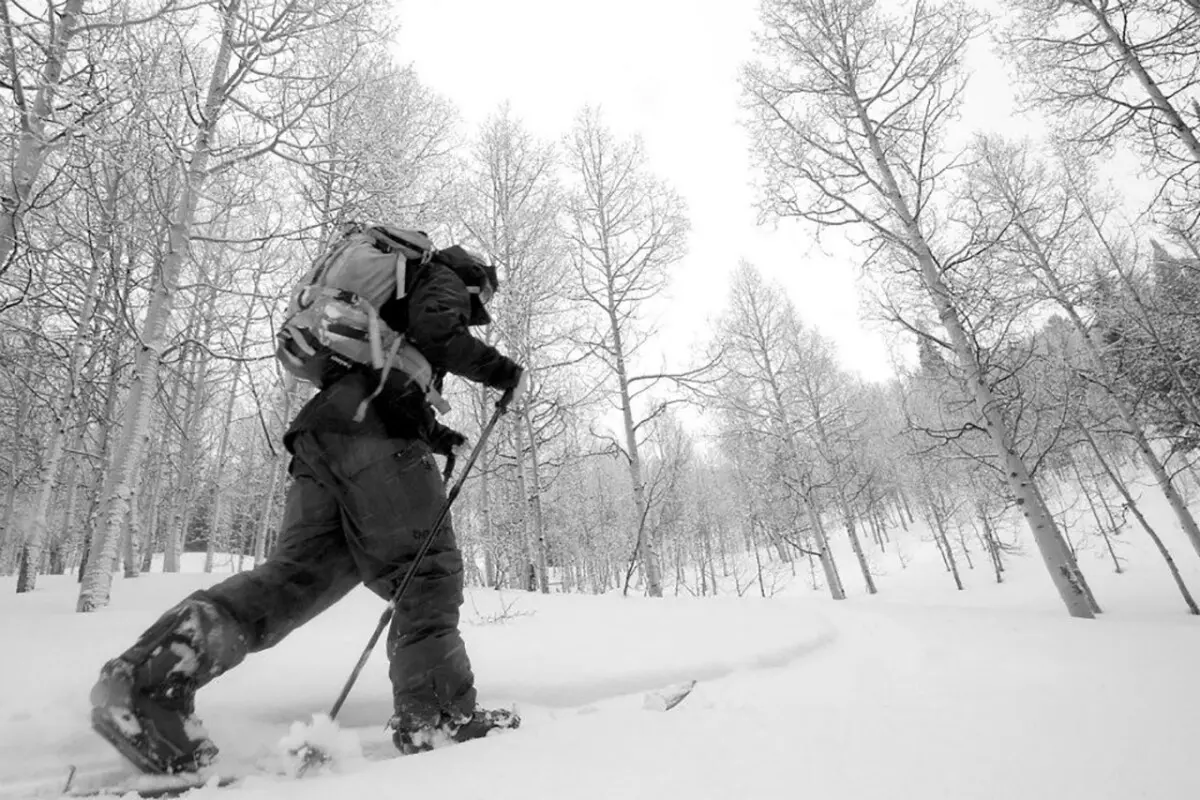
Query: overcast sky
{"points": [[667, 70]]}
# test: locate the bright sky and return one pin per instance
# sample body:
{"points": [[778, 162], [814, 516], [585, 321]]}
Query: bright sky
{"points": [[666, 70]]}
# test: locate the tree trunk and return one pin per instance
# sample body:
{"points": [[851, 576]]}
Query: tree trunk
{"points": [[858, 549], [647, 547], [989, 540], [8, 535], [832, 579], [71, 533], [194, 373], [490, 570], [1070, 582], [278, 469], [762, 589], [60, 411], [152, 527], [1129, 421], [781, 549], [60, 547], [937, 540], [218, 526], [127, 458], [905, 510], [939, 524], [130, 534], [1100, 526], [829, 454], [1137, 512], [528, 544], [878, 531], [709, 560], [535, 501], [102, 460], [962, 540], [1067, 578]]}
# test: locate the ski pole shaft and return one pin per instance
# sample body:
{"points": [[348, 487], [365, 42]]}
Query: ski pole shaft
{"points": [[386, 616], [362, 659]]}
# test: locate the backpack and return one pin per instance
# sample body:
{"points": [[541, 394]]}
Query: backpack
{"points": [[333, 315]]}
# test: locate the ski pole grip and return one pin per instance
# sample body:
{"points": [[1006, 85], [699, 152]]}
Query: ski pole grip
{"points": [[504, 400]]}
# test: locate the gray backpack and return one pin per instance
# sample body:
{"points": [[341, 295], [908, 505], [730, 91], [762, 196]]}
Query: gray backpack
{"points": [[333, 316]]}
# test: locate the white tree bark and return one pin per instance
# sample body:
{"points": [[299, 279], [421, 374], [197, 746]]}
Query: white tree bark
{"points": [[127, 457], [9, 539], [535, 500], [647, 540], [61, 408], [218, 527], [833, 580], [862, 94], [626, 228], [1001, 162], [939, 530], [278, 471], [1067, 578]]}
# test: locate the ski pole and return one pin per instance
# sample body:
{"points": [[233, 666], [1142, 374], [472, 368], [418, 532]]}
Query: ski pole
{"points": [[386, 617]]}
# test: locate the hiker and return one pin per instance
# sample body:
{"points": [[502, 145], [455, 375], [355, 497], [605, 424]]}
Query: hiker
{"points": [[365, 490]]}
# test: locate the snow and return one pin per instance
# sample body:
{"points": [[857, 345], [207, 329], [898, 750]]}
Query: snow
{"points": [[921, 691], [318, 746]]}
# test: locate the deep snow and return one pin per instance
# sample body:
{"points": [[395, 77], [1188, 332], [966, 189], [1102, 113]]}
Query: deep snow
{"points": [[921, 691]]}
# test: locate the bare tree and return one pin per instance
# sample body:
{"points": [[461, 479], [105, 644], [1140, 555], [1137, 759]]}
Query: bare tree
{"points": [[850, 111], [761, 373], [824, 394], [1131, 503], [625, 229], [377, 145], [248, 58], [1052, 241], [509, 208], [107, 181], [1076, 56]]}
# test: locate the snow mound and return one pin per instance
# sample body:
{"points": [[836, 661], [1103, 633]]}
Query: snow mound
{"points": [[319, 746]]}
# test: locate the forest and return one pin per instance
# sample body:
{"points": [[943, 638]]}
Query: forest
{"points": [[172, 167]]}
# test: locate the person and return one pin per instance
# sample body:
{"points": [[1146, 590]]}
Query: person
{"points": [[363, 494]]}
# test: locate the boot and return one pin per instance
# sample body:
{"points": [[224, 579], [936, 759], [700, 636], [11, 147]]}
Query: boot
{"points": [[144, 702], [414, 735]]}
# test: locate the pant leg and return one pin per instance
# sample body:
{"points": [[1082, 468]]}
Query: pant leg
{"points": [[391, 493], [310, 569]]}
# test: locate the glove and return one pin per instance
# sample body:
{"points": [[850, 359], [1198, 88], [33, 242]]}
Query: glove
{"points": [[446, 441], [520, 389]]}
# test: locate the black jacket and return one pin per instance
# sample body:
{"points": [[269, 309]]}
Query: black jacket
{"points": [[435, 317]]}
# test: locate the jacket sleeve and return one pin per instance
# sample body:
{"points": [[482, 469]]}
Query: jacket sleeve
{"points": [[438, 309]]}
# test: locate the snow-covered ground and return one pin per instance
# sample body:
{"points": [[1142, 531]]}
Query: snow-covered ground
{"points": [[921, 691]]}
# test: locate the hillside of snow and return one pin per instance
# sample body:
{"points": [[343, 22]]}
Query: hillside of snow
{"points": [[921, 691]]}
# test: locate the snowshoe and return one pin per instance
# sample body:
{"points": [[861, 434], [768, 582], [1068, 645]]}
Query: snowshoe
{"points": [[144, 702], [410, 739], [155, 736]]}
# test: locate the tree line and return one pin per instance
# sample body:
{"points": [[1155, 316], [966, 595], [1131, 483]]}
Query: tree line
{"points": [[171, 168]]}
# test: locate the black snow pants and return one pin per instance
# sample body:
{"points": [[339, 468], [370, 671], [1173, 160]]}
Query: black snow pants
{"points": [[356, 512]]}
